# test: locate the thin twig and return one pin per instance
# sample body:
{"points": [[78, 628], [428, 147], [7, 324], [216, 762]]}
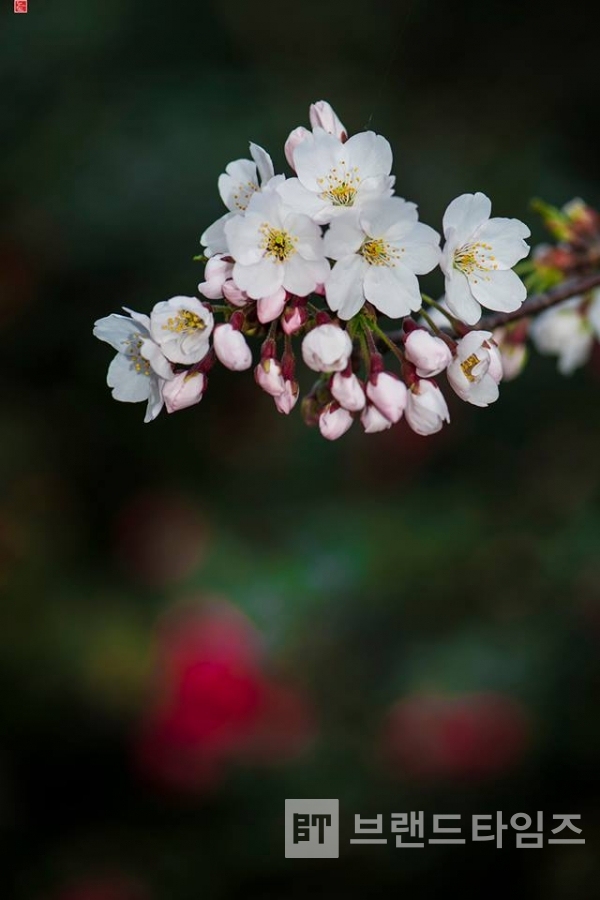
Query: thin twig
{"points": [[535, 304], [539, 302]]}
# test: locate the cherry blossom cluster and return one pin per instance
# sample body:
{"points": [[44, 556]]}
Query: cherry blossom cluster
{"points": [[321, 259]]}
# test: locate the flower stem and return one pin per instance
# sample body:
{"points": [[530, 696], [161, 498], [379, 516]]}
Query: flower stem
{"points": [[389, 343]]}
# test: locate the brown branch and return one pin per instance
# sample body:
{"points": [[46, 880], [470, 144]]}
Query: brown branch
{"points": [[539, 302], [533, 305]]}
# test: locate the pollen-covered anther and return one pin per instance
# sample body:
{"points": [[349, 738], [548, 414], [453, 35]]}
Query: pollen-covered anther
{"points": [[340, 187], [185, 322], [141, 365], [378, 252], [475, 257], [278, 244], [241, 199], [468, 364]]}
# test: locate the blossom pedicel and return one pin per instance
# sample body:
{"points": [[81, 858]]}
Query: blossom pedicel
{"points": [[318, 259]]}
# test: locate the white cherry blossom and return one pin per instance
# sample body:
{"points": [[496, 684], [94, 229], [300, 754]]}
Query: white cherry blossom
{"points": [[476, 370], [182, 327], [335, 176], [478, 257], [275, 247], [139, 370], [568, 331], [380, 250], [241, 179]]}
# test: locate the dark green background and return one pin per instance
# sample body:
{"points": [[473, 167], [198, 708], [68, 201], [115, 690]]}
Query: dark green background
{"points": [[374, 566]]}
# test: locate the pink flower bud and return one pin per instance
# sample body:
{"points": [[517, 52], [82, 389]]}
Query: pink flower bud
{"points": [[373, 421], [295, 137], [426, 409], [233, 294], [183, 390], [216, 273], [286, 401], [495, 370], [327, 348], [231, 348], [388, 394], [270, 308], [269, 378], [334, 422], [348, 391], [294, 318], [430, 355], [321, 115]]}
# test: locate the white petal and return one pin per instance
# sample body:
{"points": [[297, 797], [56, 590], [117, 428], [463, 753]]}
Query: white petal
{"points": [[484, 392], [371, 152], [376, 187], [502, 290], [420, 249], [301, 276], [344, 236], [471, 343], [237, 184], [593, 313], [115, 330], [394, 291], [466, 213], [140, 318], [310, 243], [260, 279], [244, 239], [213, 239], [507, 240], [157, 359], [390, 217], [460, 300], [344, 287], [155, 400], [264, 163], [575, 353], [315, 157], [296, 196], [127, 384]]}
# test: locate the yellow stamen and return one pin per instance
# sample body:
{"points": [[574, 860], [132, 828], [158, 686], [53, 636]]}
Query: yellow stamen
{"points": [[278, 244], [475, 257], [468, 365], [378, 252], [141, 365], [184, 322]]}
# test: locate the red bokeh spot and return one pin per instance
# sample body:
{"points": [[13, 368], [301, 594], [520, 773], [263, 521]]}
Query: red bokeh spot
{"points": [[469, 736]]}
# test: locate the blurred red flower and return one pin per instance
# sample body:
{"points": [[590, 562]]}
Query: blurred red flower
{"points": [[215, 703], [470, 735]]}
